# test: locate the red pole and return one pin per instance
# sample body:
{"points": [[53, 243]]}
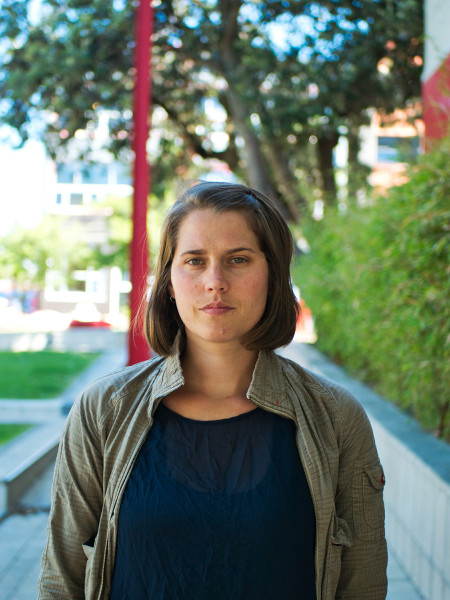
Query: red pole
{"points": [[138, 349]]}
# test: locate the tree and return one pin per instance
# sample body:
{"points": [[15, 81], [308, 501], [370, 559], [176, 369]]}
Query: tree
{"points": [[26, 254], [285, 74], [116, 251], [383, 269]]}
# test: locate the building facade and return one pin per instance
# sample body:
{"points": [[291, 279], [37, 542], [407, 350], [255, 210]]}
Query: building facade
{"points": [[436, 70]]}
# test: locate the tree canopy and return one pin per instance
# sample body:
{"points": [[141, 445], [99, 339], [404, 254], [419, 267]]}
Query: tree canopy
{"points": [[27, 254], [288, 77]]}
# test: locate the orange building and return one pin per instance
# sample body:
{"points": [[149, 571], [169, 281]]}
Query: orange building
{"points": [[436, 70]]}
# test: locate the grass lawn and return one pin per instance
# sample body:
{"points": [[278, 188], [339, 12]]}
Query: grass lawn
{"points": [[8, 431], [38, 375]]}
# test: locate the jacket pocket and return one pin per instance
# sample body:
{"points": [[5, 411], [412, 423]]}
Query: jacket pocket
{"points": [[341, 537], [368, 506], [88, 547]]}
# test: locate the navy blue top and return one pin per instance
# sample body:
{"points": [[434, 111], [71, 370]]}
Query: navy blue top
{"points": [[216, 510]]}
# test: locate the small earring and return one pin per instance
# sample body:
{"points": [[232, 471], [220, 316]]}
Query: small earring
{"points": [[172, 299]]}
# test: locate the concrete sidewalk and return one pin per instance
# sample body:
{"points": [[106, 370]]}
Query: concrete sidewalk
{"points": [[22, 535], [22, 538]]}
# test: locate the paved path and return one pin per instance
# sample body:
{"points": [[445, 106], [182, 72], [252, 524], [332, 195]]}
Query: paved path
{"points": [[22, 536]]}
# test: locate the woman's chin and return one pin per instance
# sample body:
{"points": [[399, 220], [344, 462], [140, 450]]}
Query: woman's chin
{"points": [[214, 337]]}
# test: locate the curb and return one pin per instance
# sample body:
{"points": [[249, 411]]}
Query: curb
{"points": [[25, 459]]}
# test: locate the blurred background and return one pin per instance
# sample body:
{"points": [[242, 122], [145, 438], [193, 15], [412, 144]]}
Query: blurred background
{"points": [[338, 110]]}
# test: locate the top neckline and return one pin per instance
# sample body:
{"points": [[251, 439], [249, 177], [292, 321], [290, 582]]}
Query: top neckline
{"points": [[177, 415]]}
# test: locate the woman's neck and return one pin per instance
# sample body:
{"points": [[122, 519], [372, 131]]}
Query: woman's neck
{"points": [[218, 371]]}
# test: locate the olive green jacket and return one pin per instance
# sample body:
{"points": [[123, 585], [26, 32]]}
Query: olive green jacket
{"points": [[109, 423]]}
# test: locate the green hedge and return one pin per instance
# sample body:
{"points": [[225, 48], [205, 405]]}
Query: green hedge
{"points": [[377, 281]]}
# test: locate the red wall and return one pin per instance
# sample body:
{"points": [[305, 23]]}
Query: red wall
{"points": [[436, 102]]}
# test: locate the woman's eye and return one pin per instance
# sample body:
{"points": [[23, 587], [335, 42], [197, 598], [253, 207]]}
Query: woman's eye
{"points": [[194, 262], [239, 260]]}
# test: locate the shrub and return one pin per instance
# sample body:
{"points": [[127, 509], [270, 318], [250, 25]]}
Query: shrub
{"points": [[377, 280]]}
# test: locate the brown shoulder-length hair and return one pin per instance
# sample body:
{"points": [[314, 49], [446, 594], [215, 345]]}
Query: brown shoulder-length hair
{"points": [[276, 327]]}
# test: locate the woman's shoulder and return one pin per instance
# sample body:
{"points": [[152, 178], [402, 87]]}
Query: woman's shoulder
{"points": [[319, 388], [120, 384]]}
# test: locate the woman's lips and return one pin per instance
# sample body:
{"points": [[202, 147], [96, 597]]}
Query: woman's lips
{"points": [[216, 308]]}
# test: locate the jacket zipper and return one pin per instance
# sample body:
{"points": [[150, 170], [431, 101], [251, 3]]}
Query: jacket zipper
{"points": [[308, 480]]}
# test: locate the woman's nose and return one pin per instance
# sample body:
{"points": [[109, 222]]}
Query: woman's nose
{"points": [[216, 279]]}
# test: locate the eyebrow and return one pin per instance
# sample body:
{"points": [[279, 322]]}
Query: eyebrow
{"points": [[199, 252]]}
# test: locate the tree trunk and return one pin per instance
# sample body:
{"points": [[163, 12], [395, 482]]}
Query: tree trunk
{"points": [[325, 147], [357, 173], [255, 163], [286, 183]]}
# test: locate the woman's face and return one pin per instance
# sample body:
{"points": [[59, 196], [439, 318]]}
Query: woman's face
{"points": [[219, 276]]}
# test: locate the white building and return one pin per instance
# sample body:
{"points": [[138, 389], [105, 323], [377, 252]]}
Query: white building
{"points": [[75, 193]]}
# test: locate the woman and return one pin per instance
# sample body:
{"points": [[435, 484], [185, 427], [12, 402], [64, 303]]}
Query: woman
{"points": [[217, 470]]}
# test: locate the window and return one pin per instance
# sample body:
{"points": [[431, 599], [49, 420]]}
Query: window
{"points": [[123, 173], [95, 173], [76, 198], [65, 172], [397, 149]]}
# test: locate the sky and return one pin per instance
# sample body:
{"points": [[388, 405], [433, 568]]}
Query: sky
{"points": [[21, 174], [22, 179]]}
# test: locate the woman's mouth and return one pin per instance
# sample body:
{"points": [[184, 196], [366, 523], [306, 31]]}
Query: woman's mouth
{"points": [[216, 308]]}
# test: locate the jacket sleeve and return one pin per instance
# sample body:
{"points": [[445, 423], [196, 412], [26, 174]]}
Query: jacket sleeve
{"points": [[359, 502], [77, 499]]}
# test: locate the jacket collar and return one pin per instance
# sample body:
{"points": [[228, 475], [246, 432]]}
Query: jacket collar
{"points": [[267, 388], [168, 377]]}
